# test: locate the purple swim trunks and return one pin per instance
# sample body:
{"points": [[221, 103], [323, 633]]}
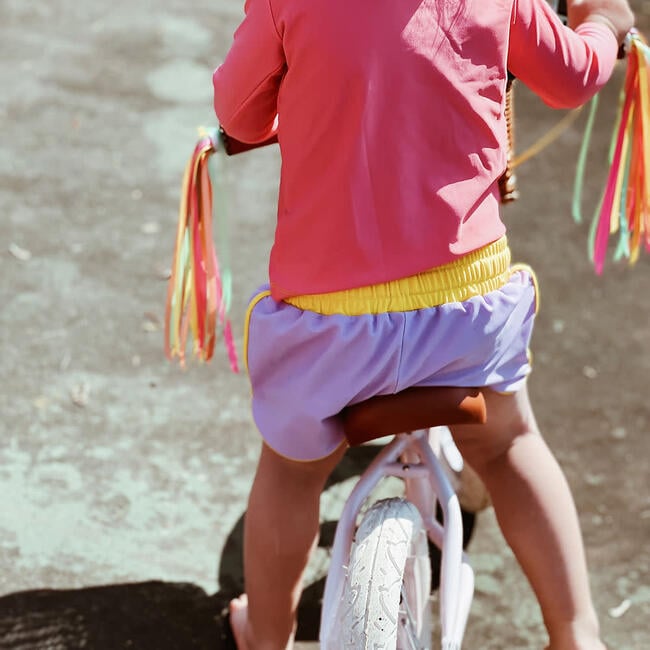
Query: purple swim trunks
{"points": [[304, 367]]}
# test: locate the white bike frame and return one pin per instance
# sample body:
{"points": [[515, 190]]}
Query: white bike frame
{"points": [[409, 456]]}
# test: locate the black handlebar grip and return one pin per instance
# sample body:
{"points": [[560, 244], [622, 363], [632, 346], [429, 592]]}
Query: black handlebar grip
{"points": [[233, 146]]}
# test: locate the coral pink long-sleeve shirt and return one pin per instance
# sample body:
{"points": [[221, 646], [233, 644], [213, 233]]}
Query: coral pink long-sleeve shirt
{"points": [[391, 123]]}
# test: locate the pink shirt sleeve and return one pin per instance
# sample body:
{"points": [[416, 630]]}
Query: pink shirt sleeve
{"points": [[564, 67], [246, 84]]}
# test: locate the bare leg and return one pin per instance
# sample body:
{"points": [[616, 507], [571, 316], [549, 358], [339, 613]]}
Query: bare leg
{"points": [[536, 513], [281, 530]]}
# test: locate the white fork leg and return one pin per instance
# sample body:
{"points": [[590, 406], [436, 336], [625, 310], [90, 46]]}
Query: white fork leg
{"points": [[378, 469], [456, 576]]}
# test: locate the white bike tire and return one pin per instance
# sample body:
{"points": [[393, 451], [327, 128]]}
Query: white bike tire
{"points": [[389, 559]]}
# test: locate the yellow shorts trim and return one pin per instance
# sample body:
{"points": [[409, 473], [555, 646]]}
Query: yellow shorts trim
{"points": [[475, 274], [247, 321], [520, 266], [533, 276]]}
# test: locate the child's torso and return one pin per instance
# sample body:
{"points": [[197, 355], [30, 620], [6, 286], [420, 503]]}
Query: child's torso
{"points": [[392, 132]]}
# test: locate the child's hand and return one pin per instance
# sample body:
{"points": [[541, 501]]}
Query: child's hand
{"points": [[615, 14]]}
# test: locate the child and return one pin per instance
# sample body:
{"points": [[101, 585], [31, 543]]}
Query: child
{"points": [[390, 266]]}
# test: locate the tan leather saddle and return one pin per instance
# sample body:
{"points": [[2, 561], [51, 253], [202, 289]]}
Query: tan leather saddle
{"points": [[412, 409]]}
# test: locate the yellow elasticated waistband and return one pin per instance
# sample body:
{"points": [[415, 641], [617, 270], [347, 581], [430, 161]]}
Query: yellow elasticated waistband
{"points": [[475, 274]]}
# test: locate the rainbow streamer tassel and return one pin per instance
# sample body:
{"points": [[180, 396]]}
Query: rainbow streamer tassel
{"points": [[197, 300], [625, 204]]}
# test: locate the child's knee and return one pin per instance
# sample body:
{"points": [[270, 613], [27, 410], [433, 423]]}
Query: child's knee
{"points": [[509, 418], [484, 445]]}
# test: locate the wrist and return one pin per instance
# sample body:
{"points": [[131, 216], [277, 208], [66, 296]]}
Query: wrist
{"points": [[604, 20], [616, 15]]}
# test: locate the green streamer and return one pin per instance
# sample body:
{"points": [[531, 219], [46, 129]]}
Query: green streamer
{"points": [[576, 209], [593, 228]]}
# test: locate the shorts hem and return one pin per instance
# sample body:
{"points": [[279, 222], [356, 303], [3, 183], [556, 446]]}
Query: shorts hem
{"points": [[343, 442]]}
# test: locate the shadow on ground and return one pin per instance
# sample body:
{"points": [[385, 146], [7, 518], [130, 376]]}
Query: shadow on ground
{"points": [[159, 615], [153, 615], [146, 615], [140, 616]]}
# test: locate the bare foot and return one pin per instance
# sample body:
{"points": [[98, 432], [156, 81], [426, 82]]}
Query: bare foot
{"points": [[238, 619]]}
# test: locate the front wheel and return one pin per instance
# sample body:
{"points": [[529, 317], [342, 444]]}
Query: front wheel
{"points": [[386, 595]]}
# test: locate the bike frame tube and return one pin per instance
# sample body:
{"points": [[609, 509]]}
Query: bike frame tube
{"points": [[378, 469], [456, 575], [425, 481]]}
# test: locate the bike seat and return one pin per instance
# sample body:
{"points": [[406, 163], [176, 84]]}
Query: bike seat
{"points": [[410, 410]]}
